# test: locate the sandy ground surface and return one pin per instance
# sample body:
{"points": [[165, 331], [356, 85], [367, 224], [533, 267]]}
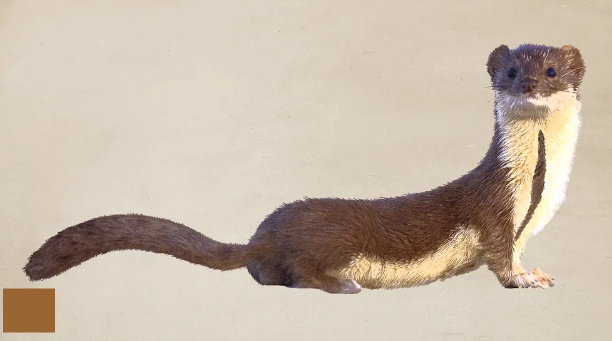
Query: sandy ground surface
{"points": [[213, 113]]}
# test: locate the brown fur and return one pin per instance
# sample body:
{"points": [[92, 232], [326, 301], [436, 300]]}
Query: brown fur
{"points": [[339, 245]]}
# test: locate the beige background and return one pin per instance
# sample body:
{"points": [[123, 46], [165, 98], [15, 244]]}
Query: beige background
{"points": [[213, 113]]}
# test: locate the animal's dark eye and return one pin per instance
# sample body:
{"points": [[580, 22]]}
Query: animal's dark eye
{"points": [[550, 72], [512, 73]]}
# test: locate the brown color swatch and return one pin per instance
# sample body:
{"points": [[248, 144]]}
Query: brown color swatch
{"points": [[29, 310]]}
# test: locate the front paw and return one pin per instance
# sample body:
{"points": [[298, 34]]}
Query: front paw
{"points": [[534, 279]]}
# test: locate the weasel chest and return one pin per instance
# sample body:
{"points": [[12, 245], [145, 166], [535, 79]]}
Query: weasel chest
{"points": [[560, 133]]}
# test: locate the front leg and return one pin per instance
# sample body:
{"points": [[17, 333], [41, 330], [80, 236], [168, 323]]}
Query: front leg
{"points": [[523, 279], [517, 256], [518, 276], [504, 260]]}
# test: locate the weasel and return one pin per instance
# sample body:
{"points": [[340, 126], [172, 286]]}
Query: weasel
{"points": [[483, 218]]}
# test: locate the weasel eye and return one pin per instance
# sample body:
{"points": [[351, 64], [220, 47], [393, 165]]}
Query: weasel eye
{"points": [[550, 72], [512, 73]]}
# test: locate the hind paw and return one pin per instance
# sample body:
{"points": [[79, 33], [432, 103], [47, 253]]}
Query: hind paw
{"points": [[350, 286], [330, 285]]}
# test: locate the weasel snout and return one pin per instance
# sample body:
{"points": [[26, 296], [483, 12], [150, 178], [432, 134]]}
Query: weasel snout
{"points": [[528, 84]]}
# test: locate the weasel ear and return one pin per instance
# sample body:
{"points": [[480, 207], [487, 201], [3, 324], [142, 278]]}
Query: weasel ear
{"points": [[574, 60], [496, 59]]}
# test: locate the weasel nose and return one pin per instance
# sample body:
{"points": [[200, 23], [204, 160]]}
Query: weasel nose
{"points": [[528, 84]]}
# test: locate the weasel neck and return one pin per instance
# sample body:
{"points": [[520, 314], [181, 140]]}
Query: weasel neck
{"points": [[559, 122], [519, 130]]}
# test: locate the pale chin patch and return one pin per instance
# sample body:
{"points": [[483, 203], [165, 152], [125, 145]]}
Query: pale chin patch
{"points": [[542, 101], [534, 107]]}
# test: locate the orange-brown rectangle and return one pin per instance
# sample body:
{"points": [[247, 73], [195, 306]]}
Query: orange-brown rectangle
{"points": [[28, 310]]}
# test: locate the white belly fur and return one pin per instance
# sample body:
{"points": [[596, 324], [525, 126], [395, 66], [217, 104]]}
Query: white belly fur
{"points": [[450, 259]]}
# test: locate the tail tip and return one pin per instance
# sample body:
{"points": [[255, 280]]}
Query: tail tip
{"points": [[33, 272]]}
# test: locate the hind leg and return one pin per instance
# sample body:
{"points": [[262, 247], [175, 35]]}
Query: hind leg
{"points": [[266, 273], [329, 284]]}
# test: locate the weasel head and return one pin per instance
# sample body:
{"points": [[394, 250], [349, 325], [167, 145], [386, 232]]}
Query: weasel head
{"points": [[534, 81]]}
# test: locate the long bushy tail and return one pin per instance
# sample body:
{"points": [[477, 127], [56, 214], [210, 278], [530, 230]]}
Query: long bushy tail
{"points": [[97, 236]]}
